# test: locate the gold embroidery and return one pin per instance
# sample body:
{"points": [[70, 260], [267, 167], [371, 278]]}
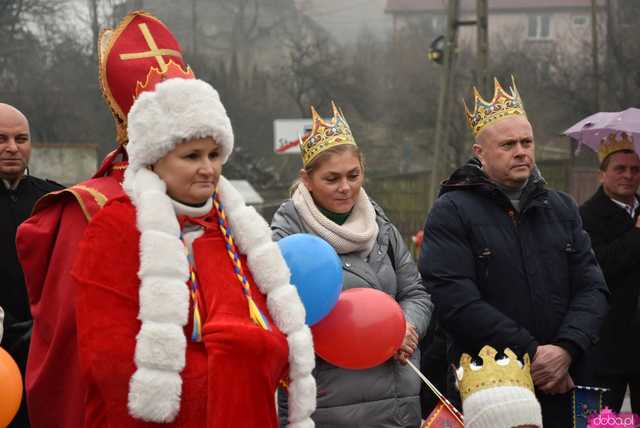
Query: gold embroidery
{"points": [[97, 196], [153, 51]]}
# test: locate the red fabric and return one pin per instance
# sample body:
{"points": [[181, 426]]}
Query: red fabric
{"points": [[442, 417], [123, 74], [47, 245], [55, 388], [230, 378]]}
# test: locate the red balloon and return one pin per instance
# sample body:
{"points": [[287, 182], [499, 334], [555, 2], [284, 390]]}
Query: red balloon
{"points": [[10, 388], [364, 329]]}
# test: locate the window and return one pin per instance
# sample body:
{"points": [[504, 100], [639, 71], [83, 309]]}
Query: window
{"points": [[539, 26], [580, 20]]}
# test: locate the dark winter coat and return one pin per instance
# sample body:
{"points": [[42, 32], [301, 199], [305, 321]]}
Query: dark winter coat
{"points": [[15, 207], [513, 279], [386, 396], [616, 242]]}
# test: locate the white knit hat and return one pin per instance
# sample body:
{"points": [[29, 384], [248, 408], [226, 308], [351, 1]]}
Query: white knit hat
{"points": [[498, 394]]}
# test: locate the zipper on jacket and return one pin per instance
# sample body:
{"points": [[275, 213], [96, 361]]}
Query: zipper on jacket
{"points": [[514, 217]]}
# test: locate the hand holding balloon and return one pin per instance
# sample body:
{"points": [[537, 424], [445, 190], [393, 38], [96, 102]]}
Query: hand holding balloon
{"points": [[409, 344]]}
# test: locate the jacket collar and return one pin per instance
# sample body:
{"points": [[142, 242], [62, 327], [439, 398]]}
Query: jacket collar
{"points": [[602, 204], [471, 177]]}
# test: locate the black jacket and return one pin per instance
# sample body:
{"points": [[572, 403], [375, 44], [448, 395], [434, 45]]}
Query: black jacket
{"points": [[616, 242], [15, 207], [511, 279]]}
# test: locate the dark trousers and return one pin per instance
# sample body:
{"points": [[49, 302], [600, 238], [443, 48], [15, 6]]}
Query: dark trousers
{"points": [[618, 387], [433, 364]]}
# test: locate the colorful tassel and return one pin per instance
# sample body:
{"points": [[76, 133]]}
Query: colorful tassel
{"points": [[254, 312]]}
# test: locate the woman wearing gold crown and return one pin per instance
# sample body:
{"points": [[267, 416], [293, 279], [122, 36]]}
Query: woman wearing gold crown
{"points": [[331, 203], [185, 312]]}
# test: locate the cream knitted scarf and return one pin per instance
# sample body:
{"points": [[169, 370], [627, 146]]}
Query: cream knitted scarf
{"points": [[357, 234]]}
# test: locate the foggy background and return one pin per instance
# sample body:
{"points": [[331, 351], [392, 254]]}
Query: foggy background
{"points": [[271, 59]]}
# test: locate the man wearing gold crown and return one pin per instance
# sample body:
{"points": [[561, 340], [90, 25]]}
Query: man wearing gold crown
{"points": [[508, 263], [612, 219]]}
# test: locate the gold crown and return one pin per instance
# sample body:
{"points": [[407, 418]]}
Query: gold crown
{"points": [[492, 374], [325, 135], [611, 144], [502, 105]]}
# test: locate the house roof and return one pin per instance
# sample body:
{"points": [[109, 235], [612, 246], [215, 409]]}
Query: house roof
{"points": [[406, 6]]}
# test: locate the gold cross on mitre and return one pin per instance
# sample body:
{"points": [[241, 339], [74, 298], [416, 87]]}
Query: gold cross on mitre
{"points": [[153, 51]]}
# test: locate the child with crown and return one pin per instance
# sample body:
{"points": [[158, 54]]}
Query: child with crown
{"points": [[498, 393], [508, 263], [330, 202], [185, 313]]}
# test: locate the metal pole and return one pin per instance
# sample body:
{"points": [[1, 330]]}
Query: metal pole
{"points": [[482, 17], [594, 53], [442, 120]]}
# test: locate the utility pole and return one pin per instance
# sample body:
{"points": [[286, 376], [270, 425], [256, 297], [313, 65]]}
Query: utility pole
{"points": [[446, 80], [594, 54], [482, 27]]}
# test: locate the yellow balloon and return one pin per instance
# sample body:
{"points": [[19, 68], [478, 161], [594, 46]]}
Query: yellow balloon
{"points": [[10, 388]]}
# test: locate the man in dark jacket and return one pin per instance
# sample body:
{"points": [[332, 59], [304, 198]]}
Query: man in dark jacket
{"points": [[18, 194], [508, 264], [611, 218]]}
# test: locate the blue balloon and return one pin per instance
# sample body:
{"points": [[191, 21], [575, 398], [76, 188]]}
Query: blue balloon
{"points": [[316, 271]]}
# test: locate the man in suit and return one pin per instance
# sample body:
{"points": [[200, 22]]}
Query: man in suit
{"points": [[611, 219]]}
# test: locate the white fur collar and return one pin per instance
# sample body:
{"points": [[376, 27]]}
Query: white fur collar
{"points": [[155, 387]]}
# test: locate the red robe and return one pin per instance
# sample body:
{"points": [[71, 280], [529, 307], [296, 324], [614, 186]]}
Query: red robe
{"points": [[47, 246], [229, 379]]}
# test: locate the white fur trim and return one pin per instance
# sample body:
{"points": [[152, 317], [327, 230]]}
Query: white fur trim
{"points": [[158, 251], [137, 182], [160, 346], [156, 213], [271, 275], [288, 317], [229, 196], [169, 300], [301, 391], [154, 395], [268, 267], [305, 423], [303, 364], [176, 110], [249, 228], [156, 386]]}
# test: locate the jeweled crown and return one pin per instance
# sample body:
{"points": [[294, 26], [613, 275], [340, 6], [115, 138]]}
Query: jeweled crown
{"points": [[507, 371], [325, 135], [502, 105], [611, 144]]}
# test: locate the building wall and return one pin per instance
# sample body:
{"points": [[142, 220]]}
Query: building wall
{"points": [[544, 28], [66, 164]]}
